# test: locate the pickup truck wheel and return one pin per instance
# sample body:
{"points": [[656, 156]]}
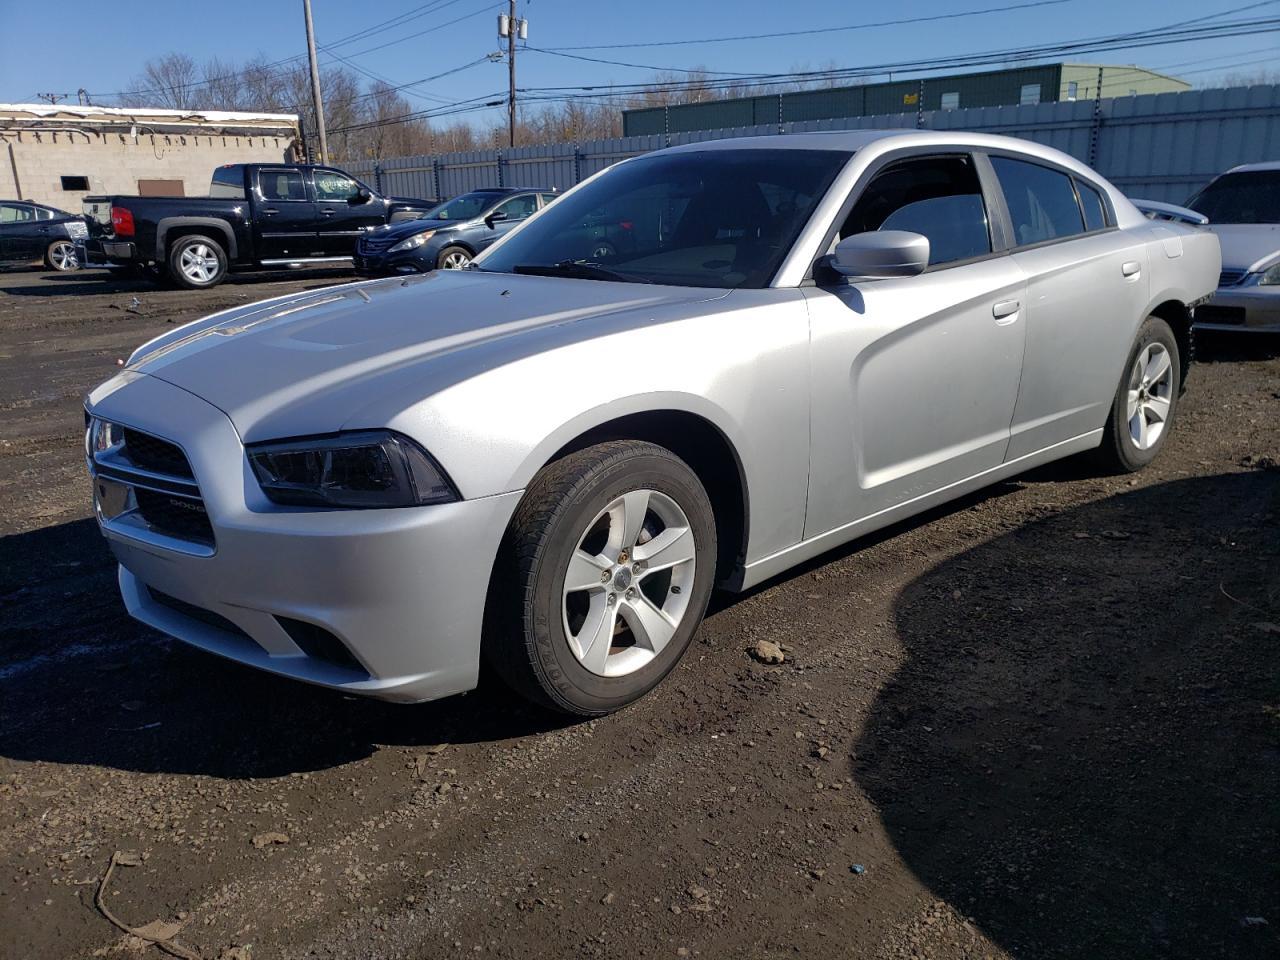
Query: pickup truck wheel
{"points": [[197, 262], [602, 578], [61, 256], [1146, 400], [453, 258]]}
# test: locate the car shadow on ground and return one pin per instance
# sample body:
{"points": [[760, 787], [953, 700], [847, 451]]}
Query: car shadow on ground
{"points": [[1079, 749], [82, 683], [96, 281]]}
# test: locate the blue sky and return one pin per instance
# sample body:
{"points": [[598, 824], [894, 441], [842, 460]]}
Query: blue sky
{"points": [[100, 46]]}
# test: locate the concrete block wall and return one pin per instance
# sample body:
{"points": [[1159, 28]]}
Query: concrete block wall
{"points": [[32, 163]]}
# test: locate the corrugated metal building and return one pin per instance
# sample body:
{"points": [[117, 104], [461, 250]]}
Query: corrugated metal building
{"points": [[1046, 83]]}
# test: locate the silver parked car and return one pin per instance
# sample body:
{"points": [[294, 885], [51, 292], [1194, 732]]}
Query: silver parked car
{"points": [[1243, 208], [551, 458]]}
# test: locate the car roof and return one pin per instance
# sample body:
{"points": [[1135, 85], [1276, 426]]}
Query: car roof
{"points": [[1252, 167]]}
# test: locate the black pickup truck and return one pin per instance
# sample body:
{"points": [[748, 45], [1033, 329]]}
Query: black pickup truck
{"points": [[256, 215]]}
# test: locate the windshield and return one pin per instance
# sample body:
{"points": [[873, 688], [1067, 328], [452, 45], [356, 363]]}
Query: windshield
{"points": [[466, 207], [718, 218], [1251, 196]]}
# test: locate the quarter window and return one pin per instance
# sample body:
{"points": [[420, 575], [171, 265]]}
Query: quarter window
{"points": [[1095, 214], [282, 185], [1042, 203], [939, 197]]}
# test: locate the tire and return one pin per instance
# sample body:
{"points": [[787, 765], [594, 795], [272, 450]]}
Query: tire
{"points": [[538, 634], [1149, 385], [453, 258], [61, 256], [197, 262]]}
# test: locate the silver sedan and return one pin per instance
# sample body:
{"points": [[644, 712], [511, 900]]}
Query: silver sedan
{"points": [[551, 458]]}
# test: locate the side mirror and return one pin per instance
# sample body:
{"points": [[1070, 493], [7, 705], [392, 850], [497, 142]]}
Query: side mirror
{"points": [[496, 217], [879, 254], [362, 196]]}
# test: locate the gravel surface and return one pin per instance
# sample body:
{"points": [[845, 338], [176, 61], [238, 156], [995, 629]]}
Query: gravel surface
{"points": [[1040, 722]]}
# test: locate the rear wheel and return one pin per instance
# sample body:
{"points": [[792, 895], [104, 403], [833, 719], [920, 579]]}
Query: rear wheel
{"points": [[453, 258], [197, 262], [1146, 400], [61, 256], [602, 579]]}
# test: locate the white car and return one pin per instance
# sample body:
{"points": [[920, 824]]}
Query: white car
{"points": [[552, 457]]}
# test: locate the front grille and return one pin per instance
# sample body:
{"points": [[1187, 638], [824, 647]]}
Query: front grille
{"points": [[1229, 278], [1212, 313], [377, 244], [158, 456], [174, 515]]}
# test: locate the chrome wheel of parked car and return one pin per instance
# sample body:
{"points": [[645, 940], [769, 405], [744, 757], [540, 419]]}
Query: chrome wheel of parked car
{"points": [[61, 256], [197, 262], [1150, 395], [602, 578], [628, 583], [454, 258]]}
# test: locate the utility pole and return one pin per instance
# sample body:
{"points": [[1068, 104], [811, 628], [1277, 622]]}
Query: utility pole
{"points": [[510, 26], [55, 97], [317, 103]]}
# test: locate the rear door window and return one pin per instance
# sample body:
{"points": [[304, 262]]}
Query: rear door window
{"points": [[15, 213], [1042, 203], [937, 197], [281, 185]]}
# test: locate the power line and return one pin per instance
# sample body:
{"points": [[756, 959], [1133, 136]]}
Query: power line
{"points": [[803, 33]]}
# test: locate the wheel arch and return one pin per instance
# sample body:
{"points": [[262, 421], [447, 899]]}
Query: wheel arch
{"points": [[1176, 313], [179, 227]]}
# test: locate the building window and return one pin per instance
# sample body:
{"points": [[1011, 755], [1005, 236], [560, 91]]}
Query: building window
{"points": [[1072, 89], [951, 101], [75, 183], [1030, 94]]}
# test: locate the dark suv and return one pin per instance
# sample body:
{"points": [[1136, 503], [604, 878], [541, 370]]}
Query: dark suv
{"points": [[32, 231], [448, 237]]}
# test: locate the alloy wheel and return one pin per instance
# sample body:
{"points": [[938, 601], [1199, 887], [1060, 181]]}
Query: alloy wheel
{"points": [[198, 263], [628, 583], [1150, 395], [456, 260], [63, 255]]}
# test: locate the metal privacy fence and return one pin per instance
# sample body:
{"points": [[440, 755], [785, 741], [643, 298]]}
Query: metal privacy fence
{"points": [[1161, 146]]}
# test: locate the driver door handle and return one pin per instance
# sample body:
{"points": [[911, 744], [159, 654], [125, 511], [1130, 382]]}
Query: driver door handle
{"points": [[1006, 311], [269, 211]]}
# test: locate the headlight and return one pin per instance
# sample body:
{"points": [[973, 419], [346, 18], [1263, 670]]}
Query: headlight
{"points": [[414, 242], [1270, 277], [102, 436], [375, 468]]}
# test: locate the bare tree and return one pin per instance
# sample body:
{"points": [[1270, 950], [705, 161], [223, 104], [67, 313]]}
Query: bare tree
{"points": [[171, 81]]}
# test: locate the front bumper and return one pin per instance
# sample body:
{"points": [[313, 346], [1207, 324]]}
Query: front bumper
{"points": [[1251, 308], [391, 264], [401, 590]]}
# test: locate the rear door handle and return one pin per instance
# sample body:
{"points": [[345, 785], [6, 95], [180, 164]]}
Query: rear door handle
{"points": [[327, 211], [269, 211], [1131, 268], [1006, 311]]}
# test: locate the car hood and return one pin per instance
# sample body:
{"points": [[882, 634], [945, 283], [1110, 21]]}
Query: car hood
{"points": [[319, 362], [408, 228], [1247, 246]]}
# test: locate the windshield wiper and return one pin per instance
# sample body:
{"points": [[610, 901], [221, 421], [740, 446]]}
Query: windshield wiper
{"points": [[579, 269]]}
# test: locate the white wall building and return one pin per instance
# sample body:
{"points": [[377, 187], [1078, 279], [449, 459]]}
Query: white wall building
{"points": [[57, 154]]}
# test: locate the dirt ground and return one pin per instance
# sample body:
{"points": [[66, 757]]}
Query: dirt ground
{"points": [[1039, 723]]}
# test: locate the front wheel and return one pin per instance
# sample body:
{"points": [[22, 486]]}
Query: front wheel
{"points": [[1146, 400], [453, 258], [197, 262], [602, 578], [61, 256]]}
